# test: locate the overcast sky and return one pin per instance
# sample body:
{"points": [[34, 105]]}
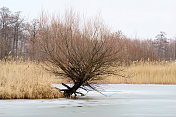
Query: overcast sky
{"points": [[135, 18]]}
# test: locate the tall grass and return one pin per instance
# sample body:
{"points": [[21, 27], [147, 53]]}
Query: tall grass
{"points": [[28, 80], [147, 73], [25, 80]]}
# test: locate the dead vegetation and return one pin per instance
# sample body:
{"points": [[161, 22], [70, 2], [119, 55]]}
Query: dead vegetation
{"points": [[147, 73], [25, 80], [28, 80]]}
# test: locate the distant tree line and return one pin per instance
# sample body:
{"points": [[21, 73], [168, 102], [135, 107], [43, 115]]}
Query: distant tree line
{"points": [[21, 39]]}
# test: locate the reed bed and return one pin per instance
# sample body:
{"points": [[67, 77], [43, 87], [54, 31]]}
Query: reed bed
{"points": [[26, 80], [147, 73]]}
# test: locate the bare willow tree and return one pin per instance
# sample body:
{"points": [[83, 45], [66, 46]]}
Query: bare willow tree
{"points": [[79, 52]]}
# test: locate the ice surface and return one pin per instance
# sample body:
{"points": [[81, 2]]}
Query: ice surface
{"points": [[121, 100]]}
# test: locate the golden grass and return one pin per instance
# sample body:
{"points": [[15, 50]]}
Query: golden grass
{"points": [[25, 80], [28, 80], [147, 73]]}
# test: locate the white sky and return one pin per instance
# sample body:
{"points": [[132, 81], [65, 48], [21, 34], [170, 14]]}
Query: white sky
{"points": [[135, 18]]}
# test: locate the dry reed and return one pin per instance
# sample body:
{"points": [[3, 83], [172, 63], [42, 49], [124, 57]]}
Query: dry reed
{"points": [[25, 80], [147, 73], [28, 80]]}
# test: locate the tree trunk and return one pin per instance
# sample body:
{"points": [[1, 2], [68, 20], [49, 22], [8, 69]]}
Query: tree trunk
{"points": [[71, 90]]}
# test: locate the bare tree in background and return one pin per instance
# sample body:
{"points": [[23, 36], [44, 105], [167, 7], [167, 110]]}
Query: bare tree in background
{"points": [[16, 41], [161, 45], [80, 53], [5, 30], [18, 35], [12, 34], [33, 39]]}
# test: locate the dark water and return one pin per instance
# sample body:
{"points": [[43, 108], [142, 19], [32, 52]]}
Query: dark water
{"points": [[120, 101]]}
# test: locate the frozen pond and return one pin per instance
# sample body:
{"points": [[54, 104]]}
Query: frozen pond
{"points": [[121, 100]]}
